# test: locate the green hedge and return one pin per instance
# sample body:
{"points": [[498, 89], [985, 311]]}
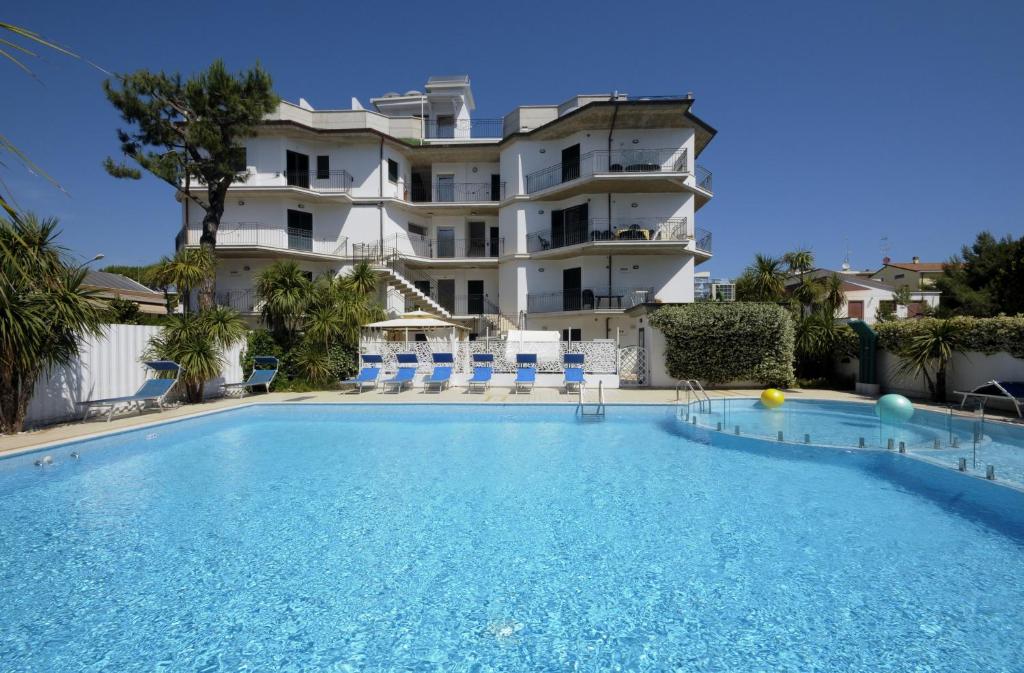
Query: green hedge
{"points": [[720, 342], [289, 378], [985, 335]]}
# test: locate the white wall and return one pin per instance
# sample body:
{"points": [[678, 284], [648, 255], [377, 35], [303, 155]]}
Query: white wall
{"points": [[108, 366]]}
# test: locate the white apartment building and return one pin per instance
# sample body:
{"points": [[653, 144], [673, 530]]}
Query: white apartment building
{"points": [[556, 217]]}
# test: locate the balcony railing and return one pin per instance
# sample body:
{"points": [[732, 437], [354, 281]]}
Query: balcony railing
{"points": [[628, 229], [703, 240], [588, 299], [604, 161], [263, 235], [243, 301], [319, 181], [458, 129], [460, 304], [703, 178], [453, 248], [461, 192]]}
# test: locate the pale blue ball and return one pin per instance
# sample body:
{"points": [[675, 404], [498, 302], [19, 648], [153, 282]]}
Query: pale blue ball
{"points": [[894, 408]]}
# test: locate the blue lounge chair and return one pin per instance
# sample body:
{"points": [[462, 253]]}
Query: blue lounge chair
{"points": [[526, 372], [259, 377], [368, 375], [1011, 391], [441, 377], [483, 369], [152, 391], [407, 363], [573, 371]]}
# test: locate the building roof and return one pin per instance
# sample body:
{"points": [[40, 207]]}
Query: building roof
{"points": [[917, 266], [115, 281]]}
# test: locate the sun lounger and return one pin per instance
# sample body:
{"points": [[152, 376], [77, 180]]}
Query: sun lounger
{"points": [[1012, 391], [573, 371], [441, 377], [368, 375], [526, 372], [483, 369], [407, 363], [152, 391], [258, 377]]}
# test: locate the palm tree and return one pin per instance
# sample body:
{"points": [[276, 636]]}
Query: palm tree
{"points": [[362, 278], [799, 261], [44, 311], [187, 270], [284, 290], [833, 297], [197, 342], [764, 280], [928, 354]]}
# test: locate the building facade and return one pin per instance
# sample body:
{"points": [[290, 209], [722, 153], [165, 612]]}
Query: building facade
{"points": [[555, 217]]}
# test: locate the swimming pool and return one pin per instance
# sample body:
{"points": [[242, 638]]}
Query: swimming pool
{"points": [[498, 538]]}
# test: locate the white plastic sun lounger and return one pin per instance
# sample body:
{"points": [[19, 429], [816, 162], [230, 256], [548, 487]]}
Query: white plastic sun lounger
{"points": [[997, 390]]}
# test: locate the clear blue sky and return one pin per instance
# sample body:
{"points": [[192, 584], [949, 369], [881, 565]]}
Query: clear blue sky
{"points": [[836, 121]]}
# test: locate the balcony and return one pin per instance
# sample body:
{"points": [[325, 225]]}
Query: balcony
{"points": [[327, 182], [589, 299], [461, 192], [613, 234], [704, 240], [632, 161], [452, 248], [460, 304], [243, 301], [470, 129], [704, 178], [259, 235]]}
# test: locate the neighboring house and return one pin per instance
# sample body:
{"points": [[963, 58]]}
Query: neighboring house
{"points": [[115, 286], [915, 274], [706, 288], [864, 297], [557, 217]]}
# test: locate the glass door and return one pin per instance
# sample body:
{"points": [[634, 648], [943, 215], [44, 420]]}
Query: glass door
{"points": [[444, 189], [446, 242]]}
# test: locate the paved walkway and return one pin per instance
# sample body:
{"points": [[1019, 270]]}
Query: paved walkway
{"points": [[99, 426]]}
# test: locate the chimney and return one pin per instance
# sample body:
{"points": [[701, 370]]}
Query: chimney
{"points": [[916, 260], [886, 260]]}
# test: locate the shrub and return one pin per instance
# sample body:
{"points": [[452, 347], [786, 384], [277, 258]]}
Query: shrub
{"points": [[722, 342], [985, 335], [293, 373]]}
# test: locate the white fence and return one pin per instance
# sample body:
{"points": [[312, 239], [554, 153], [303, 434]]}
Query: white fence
{"points": [[600, 357], [108, 366]]}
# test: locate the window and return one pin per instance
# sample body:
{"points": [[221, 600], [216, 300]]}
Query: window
{"points": [[323, 167], [572, 334], [899, 275], [241, 162], [392, 170], [417, 229]]}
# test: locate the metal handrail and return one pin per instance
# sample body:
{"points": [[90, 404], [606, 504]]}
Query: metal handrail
{"points": [[599, 410], [463, 128], [619, 229], [694, 386], [638, 160], [460, 192]]}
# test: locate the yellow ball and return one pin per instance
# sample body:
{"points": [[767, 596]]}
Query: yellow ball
{"points": [[772, 397]]}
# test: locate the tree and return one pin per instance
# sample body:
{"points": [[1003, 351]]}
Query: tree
{"points": [[187, 270], [44, 311], [197, 342], [191, 130], [985, 279], [764, 280], [928, 354], [284, 291]]}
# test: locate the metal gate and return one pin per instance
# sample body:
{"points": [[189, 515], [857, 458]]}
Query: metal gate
{"points": [[633, 366]]}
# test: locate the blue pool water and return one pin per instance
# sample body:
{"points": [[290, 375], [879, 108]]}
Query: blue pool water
{"points": [[483, 538]]}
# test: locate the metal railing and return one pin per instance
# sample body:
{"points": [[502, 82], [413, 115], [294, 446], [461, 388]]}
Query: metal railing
{"points": [[243, 301], [460, 192], [626, 229], [703, 178], [264, 235], [319, 181], [703, 240], [460, 304], [462, 128], [614, 161], [588, 299], [453, 248]]}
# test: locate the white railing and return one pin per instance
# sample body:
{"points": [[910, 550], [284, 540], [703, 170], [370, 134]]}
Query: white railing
{"points": [[264, 235], [599, 356]]}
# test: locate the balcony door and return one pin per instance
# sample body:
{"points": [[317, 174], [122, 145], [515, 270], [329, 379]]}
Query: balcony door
{"points": [[570, 163], [574, 224], [300, 230], [495, 242], [296, 169], [477, 246], [445, 126], [495, 187], [474, 297], [446, 294], [445, 242], [572, 287], [445, 189]]}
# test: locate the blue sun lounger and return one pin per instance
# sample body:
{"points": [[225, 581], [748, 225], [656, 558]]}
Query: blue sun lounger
{"points": [[573, 371], [152, 391], [526, 372], [483, 369], [368, 375], [407, 363], [441, 377], [258, 377]]}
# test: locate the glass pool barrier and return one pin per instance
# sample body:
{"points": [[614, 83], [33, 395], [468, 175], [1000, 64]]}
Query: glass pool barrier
{"points": [[967, 440]]}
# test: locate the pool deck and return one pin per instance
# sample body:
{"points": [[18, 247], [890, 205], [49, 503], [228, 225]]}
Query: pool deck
{"points": [[32, 439]]}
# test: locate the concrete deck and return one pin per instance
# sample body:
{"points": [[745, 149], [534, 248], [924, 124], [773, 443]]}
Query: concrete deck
{"points": [[98, 426]]}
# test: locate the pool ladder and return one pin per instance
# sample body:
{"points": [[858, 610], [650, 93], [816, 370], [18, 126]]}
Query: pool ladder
{"points": [[595, 411], [693, 386]]}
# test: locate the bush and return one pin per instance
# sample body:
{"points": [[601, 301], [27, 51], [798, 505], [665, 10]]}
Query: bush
{"points": [[723, 342], [290, 378], [985, 335]]}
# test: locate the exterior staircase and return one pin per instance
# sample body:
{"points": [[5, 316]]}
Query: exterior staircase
{"points": [[394, 279]]}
